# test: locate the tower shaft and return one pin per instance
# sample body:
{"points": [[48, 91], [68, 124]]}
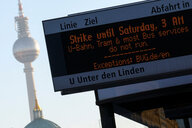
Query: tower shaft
{"points": [[30, 87]]}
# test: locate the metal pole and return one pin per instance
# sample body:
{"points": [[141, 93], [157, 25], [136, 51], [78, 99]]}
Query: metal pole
{"points": [[107, 116], [186, 122]]}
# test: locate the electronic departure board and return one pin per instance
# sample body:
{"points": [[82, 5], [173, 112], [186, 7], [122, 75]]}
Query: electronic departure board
{"points": [[122, 45]]}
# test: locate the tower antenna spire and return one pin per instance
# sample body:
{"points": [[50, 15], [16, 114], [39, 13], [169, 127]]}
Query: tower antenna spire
{"points": [[20, 8], [21, 23]]}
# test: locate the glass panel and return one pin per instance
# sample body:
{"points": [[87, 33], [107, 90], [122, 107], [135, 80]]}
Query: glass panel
{"points": [[154, 118]]}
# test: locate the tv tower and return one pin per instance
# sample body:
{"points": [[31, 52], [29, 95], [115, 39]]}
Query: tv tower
{"points": [[26, 50]]}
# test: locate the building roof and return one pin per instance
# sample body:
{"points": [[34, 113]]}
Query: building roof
{"points": [[42, 123]]}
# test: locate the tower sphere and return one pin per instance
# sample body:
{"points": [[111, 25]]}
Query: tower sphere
{"points": [[26, 49]]}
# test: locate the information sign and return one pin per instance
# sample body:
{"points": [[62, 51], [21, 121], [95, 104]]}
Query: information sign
{"points": [[121, 45]]}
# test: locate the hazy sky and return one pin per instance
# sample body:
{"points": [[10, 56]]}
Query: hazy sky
{"points": [[70, 111]]}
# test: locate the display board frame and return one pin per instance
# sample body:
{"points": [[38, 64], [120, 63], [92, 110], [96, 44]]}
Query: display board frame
{"points": [[78, 65]]}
